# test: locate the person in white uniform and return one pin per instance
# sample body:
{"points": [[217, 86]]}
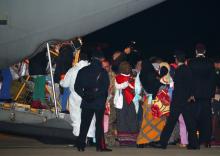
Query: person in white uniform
{"points": [[74, 99]]}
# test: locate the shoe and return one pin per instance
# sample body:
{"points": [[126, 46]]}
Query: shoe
{"points": [[80, 146], [157, 145], [80, 149], [90, 142], [182, 145], [140, 145], [65, 111], [37, 105], [189, 147], [207, 145], [175, 142], [103, 149], [172, 143]]}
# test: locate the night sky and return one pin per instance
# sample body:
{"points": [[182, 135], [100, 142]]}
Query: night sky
{"points": [[174, 24]]}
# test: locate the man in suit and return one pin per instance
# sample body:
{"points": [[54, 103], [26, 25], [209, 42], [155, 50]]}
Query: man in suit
{"points": [[203, 90], [92, 84], [180, 105]]}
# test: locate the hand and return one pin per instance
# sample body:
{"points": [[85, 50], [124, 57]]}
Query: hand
{"points": [[62, 76], [116, 55]]}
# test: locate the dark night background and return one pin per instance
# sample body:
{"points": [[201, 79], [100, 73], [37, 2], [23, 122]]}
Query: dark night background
{"points": [[174, 24]]}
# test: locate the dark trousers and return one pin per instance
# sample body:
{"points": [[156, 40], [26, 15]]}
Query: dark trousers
{"points": [[86, 118], [203, 114], [190, 122]]}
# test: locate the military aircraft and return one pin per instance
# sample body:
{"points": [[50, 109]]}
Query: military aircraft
{"points": [[26, 25]]}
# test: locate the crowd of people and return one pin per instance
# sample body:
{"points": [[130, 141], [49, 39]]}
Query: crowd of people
{"points": [[129, 100]]}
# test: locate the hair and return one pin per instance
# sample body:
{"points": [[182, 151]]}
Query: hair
{"points": [[163, 71], [181, 58], [106, 61], [148, 78], [155, 59], [66, 48], [83, 56], [97, 54], [124, 67]]}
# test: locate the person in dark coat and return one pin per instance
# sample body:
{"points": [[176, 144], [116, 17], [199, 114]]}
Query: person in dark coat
{"points": [[149, 78], [129, 54], [203, 88], [38, 63], [92, 84], [180, 105], [63, 62], [37, 69]]}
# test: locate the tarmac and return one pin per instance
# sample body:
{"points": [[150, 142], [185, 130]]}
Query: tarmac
{"points": [[11, 145]]}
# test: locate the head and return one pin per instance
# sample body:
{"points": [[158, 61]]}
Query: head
{"points": [[179, 56], [217, 64], [147, 67], [83, 56], [57, 47], [127, 50], [164, 69], [155, 62], [155, 59], [98, 55], [129, 47], [125, 68], [66, 48], [180, 59], [200, 49], [106, 65], [76, 43]]}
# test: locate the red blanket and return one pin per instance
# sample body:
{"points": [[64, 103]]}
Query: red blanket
{"points": [[129, 91]]}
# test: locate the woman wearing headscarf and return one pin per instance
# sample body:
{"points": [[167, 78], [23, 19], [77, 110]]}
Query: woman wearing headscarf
{"points": [[127, 124], [156, 103]]}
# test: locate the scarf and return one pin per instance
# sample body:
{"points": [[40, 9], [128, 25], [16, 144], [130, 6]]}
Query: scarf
{"points": [[128, 91]]}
